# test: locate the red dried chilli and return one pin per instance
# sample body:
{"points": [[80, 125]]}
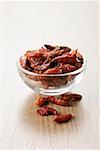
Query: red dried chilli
{"points": [[42, 101], [71, 99], [68, 99], [73, 96], [53, 71], [63, 118], [46, 111], [58, 101]]}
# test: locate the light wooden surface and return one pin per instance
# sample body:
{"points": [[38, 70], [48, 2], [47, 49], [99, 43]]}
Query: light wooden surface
{"points": [[27, 25]]}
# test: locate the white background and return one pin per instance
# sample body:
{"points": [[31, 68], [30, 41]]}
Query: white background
{"points": [[28, 25]]}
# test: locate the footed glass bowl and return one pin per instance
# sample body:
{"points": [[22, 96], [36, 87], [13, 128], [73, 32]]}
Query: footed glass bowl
{"points": [[55, 84]]}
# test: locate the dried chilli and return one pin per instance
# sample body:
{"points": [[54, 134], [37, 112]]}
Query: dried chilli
{"points": [[63, 118], [47, 110]]}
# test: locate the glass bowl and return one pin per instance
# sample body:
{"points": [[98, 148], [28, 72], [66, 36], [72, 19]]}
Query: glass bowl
{"points": [[51, 84]]}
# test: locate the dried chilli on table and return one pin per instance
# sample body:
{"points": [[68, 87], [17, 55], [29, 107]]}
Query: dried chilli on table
{"points": [[63, 118], [47, 110], [42, 101]]}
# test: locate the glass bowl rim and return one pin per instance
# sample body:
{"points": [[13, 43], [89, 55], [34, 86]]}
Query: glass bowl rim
{"points": [[49, 75]]}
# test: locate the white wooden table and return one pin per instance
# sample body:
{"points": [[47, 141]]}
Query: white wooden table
{"points": [[27, 25]]}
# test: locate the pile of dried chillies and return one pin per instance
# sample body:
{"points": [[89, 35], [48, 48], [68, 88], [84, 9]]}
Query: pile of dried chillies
{"points": [[52, 60], [67, 99]]}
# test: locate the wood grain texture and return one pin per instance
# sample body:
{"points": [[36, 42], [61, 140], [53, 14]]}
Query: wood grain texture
{"points": [[24, 27]]}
